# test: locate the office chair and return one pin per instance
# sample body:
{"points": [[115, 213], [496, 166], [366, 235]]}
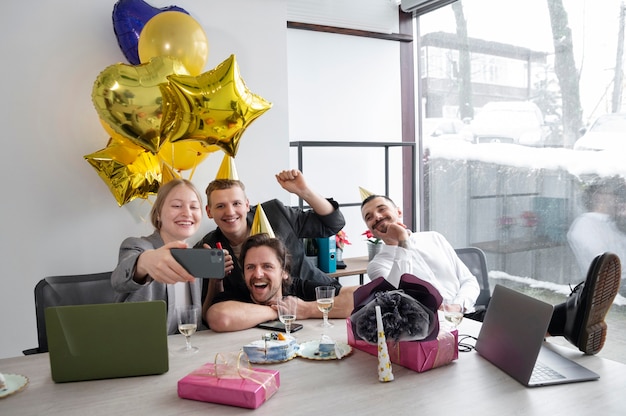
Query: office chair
{"points": [[474, 259], [68, 290]]}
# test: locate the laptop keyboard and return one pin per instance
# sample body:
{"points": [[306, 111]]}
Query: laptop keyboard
{"points": [[542, 372]]}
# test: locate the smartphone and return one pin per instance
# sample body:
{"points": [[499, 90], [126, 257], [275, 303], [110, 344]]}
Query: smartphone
{"points": [[279, 326], [204, 263]]}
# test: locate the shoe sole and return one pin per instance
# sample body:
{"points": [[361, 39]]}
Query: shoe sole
{"points": [[603, 289]]}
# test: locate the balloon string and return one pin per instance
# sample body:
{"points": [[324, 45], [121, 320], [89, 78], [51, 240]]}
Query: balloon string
{"points": [[193, 170]]}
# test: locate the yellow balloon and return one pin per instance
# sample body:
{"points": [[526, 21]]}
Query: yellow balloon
{"points": [[177, 35], [185, 154], [114, 136]]}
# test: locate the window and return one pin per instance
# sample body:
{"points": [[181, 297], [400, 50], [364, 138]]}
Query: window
{"points": [[529, 163]]}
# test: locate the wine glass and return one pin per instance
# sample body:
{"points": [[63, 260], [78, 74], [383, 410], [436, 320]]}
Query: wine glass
{"points": [[452, 313], [287, 307], [187, 325], [325, 296]]}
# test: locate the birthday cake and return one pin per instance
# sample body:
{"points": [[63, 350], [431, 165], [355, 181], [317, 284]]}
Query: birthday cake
{"points": [[272, 347]]}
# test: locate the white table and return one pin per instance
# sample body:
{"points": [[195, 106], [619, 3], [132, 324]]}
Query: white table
{"points": [[467, 386]]}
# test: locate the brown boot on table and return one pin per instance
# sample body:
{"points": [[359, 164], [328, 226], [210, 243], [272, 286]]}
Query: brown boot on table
{"points": [[590, 301]]}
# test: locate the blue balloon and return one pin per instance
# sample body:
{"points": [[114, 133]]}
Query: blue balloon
{"points": [[129, 18]]}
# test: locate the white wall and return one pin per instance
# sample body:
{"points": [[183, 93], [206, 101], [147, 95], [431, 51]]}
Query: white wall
{"points": [[345, 88], [58, 216]]}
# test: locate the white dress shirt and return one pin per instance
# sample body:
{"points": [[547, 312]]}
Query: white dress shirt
{"points": [[593, 233], [430, 257]]}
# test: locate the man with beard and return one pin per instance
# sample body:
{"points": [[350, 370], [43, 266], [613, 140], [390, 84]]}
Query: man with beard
{"points": [[601, 228], [266, 265], [228, 206], [427, 255]]}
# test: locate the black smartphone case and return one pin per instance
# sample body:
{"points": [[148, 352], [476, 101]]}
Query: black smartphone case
{"points": [[204, 263]]}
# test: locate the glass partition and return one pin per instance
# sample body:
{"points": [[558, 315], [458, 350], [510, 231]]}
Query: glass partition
{"points": [[522, 129]]}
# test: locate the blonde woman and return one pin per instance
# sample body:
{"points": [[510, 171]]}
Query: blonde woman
{"points": [[146, 269]]}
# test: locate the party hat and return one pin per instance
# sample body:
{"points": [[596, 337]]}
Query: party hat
{"points": [[384, 363], [167, 173], [227, 169], [261, 224], [364, 193]]}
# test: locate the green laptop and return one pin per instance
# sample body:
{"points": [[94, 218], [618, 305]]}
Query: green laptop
{"points": [[111, 340]]}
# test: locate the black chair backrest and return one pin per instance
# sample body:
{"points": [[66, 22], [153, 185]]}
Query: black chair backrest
{"points": [[474, 259], [68, 290]]}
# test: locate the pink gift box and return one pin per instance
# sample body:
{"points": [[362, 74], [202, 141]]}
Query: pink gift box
{"points": [[417, 355], [250, 389]]}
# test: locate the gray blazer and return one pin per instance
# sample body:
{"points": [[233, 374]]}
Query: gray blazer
{"points": [[130, 291]]}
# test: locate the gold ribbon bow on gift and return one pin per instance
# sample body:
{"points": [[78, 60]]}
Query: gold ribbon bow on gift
{"points": [[446, 348], [235, 365]]}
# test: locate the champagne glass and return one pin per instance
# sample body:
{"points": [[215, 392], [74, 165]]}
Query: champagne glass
{"points": [[325, 296], [187, 325], [452, 313], [287, 307]]}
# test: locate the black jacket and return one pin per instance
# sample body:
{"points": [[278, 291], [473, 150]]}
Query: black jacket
{"points": [[290, 225]]}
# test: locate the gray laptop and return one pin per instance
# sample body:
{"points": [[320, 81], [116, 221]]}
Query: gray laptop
{"points": [[512, 338], [88, 342]]}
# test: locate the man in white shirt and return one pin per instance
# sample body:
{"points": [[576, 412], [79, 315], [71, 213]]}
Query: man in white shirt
{"points": [[428, 256], [597, 231]]}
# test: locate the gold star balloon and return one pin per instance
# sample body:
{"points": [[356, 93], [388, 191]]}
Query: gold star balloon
{"points": [[128, 99], [128, 170], [214, 107]]}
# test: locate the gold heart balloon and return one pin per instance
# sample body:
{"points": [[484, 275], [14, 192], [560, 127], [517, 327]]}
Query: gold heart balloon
{"points": [[128, 99], [214, 107], [128, 170]]}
